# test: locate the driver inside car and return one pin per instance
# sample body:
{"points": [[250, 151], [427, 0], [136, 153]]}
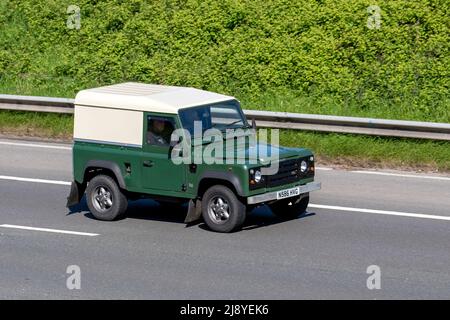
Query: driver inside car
{"points": [[159, 132]]}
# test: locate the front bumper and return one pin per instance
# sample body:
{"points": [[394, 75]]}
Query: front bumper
{"points": [[269, 196]]}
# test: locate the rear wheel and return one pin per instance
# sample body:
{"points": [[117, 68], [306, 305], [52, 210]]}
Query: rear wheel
{"points": [[290, 208], [222, 210], [104, 198]]}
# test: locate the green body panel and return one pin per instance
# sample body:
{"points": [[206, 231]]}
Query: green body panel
{"points": [[138, 179], [163, 177], [83, 152]]}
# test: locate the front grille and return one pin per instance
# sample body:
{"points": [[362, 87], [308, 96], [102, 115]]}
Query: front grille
{"points": [[288, 172]]}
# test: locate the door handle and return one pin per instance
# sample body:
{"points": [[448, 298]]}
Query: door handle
{"points": [[148, 163]]}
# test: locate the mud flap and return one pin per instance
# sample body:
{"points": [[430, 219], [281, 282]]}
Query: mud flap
{"points": [[76, 193], [194, 211]]}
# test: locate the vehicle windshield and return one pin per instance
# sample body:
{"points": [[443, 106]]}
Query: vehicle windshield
{"points": [[223, 115]]}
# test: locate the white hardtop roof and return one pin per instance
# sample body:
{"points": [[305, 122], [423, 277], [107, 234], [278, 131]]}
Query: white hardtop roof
{"points": [[147, 97]]}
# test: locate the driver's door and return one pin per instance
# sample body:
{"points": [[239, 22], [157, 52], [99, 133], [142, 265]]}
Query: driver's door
{"points": [[159, 173]]}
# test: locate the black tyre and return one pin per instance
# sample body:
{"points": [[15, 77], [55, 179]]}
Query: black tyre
{"points": [[290, 208], [104, 198], [222, 210]]}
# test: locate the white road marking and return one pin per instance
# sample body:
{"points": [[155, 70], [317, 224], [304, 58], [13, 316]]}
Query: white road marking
{"points": [[318, 206], [383, 212], [34, 145], [324, 168], [50, 146], [381, 173], [35, 180], [11, 226]]}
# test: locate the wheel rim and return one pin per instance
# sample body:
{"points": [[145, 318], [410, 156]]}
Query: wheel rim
{"points": [[102, 199], [218, 210]]}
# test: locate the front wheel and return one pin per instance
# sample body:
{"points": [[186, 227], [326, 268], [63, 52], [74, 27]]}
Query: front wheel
{"points": [[222, 210], [290, 208], [104, 198]]}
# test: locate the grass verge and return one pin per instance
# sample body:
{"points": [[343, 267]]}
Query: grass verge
{"points": [[330, 149], [35, 124], [375, 152]]}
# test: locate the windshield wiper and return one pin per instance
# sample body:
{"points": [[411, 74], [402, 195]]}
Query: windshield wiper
{"points": [[223, 129], [234, 122]]}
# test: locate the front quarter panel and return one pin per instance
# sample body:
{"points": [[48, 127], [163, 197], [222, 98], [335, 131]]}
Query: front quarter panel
{"points": [[234, 174]]}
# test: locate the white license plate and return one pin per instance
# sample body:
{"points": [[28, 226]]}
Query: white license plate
{"points": [[287, 193]]}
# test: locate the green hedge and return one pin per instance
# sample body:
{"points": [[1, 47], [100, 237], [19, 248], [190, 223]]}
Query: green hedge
{"points": [[295, 55]]}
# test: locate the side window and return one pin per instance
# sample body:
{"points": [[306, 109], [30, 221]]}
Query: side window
{"points": [[159, 130]]}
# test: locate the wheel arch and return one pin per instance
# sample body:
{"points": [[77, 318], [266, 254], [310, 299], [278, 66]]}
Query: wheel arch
{"points": [[110, 168], [210, 178]]}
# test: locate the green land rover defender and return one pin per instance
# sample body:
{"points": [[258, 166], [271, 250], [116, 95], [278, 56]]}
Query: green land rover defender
{"points": [[181, 145]]}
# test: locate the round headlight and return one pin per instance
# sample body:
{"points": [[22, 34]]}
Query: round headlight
{"points": [[257, 176], [303, 166]]}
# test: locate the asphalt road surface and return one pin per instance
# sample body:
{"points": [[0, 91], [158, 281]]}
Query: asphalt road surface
{"points": [[398, 222]]}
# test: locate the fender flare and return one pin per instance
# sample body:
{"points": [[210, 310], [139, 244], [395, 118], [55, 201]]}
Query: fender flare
{"points": [[110, 165], [226, 176]]}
